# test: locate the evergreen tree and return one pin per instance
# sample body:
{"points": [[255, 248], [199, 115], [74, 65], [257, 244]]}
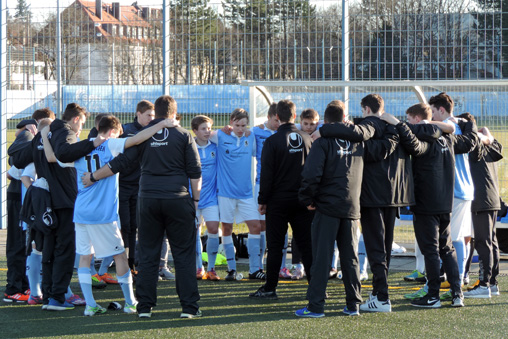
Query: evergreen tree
{"points": [[22, 10]]}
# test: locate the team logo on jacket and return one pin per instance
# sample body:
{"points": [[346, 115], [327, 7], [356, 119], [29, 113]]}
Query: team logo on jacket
{"points": [[159, 138], [344, 146], [295, 141], [442, 142], [212, 154], [40, 146], [46, 217], [246, 143]]}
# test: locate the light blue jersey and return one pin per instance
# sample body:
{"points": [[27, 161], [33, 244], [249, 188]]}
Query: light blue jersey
{"points": [[208, 155], [234, 165], [98, 204], [261, 135], [464, 187]]}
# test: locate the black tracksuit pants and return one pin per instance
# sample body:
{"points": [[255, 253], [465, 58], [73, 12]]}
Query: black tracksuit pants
{"points": [[377, 229], [432, 233], [278, 215], [15, 248], [58, 253], [486, 245], [128, 198], [325, 231], [176, 219]]}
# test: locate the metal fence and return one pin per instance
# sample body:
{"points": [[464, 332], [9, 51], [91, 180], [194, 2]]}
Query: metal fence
{"points": [[107, 56]]}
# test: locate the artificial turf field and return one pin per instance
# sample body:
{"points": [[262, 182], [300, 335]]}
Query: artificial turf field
{"points": [[229, 313]]}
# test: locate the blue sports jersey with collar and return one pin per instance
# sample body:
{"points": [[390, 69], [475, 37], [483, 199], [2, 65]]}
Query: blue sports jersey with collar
{"points": [[208, 156], [261, 135], [234, 165], [98, 204], [464, 187]]}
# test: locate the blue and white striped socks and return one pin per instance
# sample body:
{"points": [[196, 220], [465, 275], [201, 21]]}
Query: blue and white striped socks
{"points": [[125, 282], [85, 281], [212, 247]]}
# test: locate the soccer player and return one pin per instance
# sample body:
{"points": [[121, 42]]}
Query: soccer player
{"points": [[461, 222], [129, 183], [485, 206], [309, 121], [282, 161], [262, 132], [433, 165], [59, 250], [96, 219], [235, 191], [208, 207], [168, 160]]}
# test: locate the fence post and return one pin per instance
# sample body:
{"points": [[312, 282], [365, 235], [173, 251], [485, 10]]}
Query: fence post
{"points": [[3, 117], [58, 62], [345, 51], [165, 48]]}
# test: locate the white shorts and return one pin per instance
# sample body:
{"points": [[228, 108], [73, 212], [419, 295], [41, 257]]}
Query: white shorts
{"points": [[210, 213], [246, 209], [256, 194], [461, 221], [104, 240]]}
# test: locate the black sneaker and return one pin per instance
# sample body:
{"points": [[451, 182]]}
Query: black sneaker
{"points": [[262, 294], [427, 302], [258, 275], [231, 276]]}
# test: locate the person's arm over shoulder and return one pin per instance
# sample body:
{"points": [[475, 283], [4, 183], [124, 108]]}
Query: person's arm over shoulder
{"points": [[361, 132], [267, 173], [379, 149], [466, 142], [23, 156], [426, 132], [312, 172], [214, 137], [147, 133], [192, 159], [446, 127], [67, 149], [410, 142]]}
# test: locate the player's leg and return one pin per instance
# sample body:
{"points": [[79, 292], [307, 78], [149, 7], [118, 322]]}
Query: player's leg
{"points": [[301, 220], [124, 275], [85, 250], [347, 242], [449, 257], [211, 216], [200, 271], [249, 213], [262, 233], [33, 272], [227, 209]]}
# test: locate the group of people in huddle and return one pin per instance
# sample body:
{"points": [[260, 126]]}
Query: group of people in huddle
{"points": [[324, 178]]}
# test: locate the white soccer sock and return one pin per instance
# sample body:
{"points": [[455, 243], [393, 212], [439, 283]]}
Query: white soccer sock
{"points": [[125, 282], [229, 249], [85, 281], [253, 241], [212, 247], [262, 248]]}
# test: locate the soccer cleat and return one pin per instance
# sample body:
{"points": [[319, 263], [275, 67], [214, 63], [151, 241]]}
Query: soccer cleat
{"points": [[415, 274], [347, 311], [262, 294], [76, 300], [458, 301], [145, 315], [212, 275], [416, 295], [16, 298], [166, 274], [426, 302], [200, 273], [55, 305], [191, 315], [333, 273], [298, 274], [494, 290], [479, 292], [44, 307], [339, 275], [108, 278], [130, 309], [421, 280], [34, 300], [97, 282], [447, 296], [445, 284], [375, 305], [231, 276], [305, 313], [364, 276], [476, 283], [259, 274], [90, 311], [284, 273]]}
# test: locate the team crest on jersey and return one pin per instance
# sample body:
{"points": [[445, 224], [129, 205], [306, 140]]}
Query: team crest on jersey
{"points": [[159, 138], [295, 141], [212, 154], [227, 151], [344, 146], [246, 143]]}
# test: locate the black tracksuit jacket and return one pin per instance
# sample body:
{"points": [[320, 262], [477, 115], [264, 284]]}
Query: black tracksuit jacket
{"points": [[483, 165], [434, 167], [130, 175], [168, 159]]}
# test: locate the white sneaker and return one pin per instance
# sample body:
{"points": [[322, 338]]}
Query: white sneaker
{"points": [[494, 290], [480, 292], [375, 305], [364, 276], [397, 249], [90, 311], [298, 274], [130, 309], [166, 274]]}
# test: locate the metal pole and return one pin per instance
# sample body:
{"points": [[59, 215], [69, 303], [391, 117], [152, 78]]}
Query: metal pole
{"points": [[3, 116], [241, 59], [33, 69], [113, 79], [165, 47], [58, 62], [323, 58], [294, 63], [214, 62], [268, 61], [89, 74], [345, 51]]}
